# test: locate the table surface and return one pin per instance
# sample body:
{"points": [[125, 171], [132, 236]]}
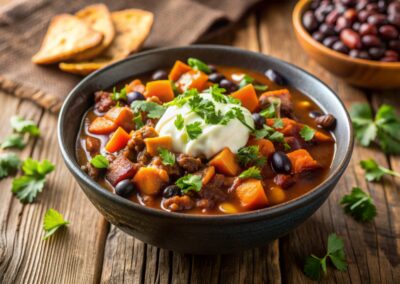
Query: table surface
{"points": [[92, 250]]}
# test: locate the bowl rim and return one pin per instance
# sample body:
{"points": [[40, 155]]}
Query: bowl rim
{"points": [[254, 215], [298, 11]]}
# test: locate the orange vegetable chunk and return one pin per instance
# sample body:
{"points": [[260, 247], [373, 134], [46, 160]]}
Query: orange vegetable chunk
{"points": [[192, 79], [177, 70], [247, 95], [225, 163], [149, 180], [322, 137], [282, 94], [152, 144], [276, 195], [265, 146], [161, 89], [208, 174], [290, 126], [302, 161], [135, 86], [122, 116], [102, 125], [118, 140], [251, 194]]}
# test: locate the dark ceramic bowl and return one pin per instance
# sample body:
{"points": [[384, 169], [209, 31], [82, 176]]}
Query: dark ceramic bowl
{"points": [[195, 233]]}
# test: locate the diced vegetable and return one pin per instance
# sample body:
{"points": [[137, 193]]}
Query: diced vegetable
{"points": [[177, 70], [102, 125], [265, 146], [161, 89], [135, 86], [290, 126], [247, 95], [251, 194], [121, 168], [225, 163], [118, 140], [122, 116], [228, 208], [152, 144], [276, 195], [149, 180], [302, 161], [321, 137], [192, 79], [208, 174], [282, 94]]}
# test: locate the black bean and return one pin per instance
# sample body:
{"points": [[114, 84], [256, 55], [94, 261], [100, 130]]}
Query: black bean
{"points": [[259, 120], [309, 21], [329, 41], [377, 19], [275, 77], [212, 68], [159, 75], [371, 41], [318, 36], [340, 47], [376, 52], [327, 30], [388, 32], [124, 188], [326, 121], [134, 96], [280, 163], [229, 86], [171, 190], [215, 77]]}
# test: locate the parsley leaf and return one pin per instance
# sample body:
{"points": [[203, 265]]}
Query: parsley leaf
{"points": [[153, 109], [179, 122], [20, 125], [167, 157], [359, 205], [250, 155], [374, 172], [182, 99], [272, 110], [245, 81], [13, 141], [307, 133], [138, 121], [52, 221], [252, 172], [335, 252], [9, 162], [194, 130], [27, 187], [271, 134], [198, 65], [99, 162], [189, 182], [217, 93], [121, 95], [278, 123]]}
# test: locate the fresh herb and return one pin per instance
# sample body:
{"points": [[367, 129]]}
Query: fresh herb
{"points": [[374, 172], [194, 130], [233, 100], [335, 253], [99, 162], [217, 94], [198, 65], [205, 109], [271, 134], [152, 109], [307, 133], [167, 158], [250, 156], [189, 182], [179, 122], [13, 141], [182, 99], [9, 163], [252, 172], [384, 128], [260, 87], [272, 111], [20, 125], [52, 221], [121, 95], [359, 205], [278, 123], [250, 80], [27, 187], [138, 121]]}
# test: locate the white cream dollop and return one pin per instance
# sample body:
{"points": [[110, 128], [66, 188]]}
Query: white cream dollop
{"points": [[214, 137]]}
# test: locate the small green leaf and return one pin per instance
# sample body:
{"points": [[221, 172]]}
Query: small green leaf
{"points": [[121, 95], [375, 172], [167, 157], [9, 163], [179, 122], [189, 182], [278, 123], [198, 65], [138, 121], [52, 221], [307, 133], [20, 125], [99, 162], [312, 267], [260, 87], [359, 205], [194, 130], [152, 109], [245, 81], [252, 172], [13, 141], [250, 155]]}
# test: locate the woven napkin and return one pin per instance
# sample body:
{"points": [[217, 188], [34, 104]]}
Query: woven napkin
{"points": [[23, 24]]}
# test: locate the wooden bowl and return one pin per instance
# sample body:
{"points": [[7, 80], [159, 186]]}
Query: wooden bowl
{"points": [[359, 72]]}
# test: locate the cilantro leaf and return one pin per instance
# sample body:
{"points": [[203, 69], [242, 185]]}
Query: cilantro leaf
{"points": [[273, 109], [189, 182], [250, 155], [99, 162], [307, 133], [359, 205], [13, 141], [312, 267], [121, 95], [167, 157], [20, 125], [198, 65], [52, 221], [252, 172], [138, 121], [182, 99], [194, 130], [260, 87], [217, 93], [278, 123], [9, 162], [374, 172], [152, 109], [245, 81], [179, 122]]}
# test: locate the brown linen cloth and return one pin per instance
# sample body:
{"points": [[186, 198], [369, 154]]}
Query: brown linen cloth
{"points": [[23, 24]]}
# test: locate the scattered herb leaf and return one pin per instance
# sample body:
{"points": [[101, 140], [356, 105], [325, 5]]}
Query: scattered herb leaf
{"points": [[99, 162], [52, 221], [138, 121], [278, 123], [121, 95], [179, 122], [252, 172], [194, 130], [21, 125], [250, 155], [152, 109], [359, 205], [167, 157], [9, 163], [13, 141], [245, 81], [307, 133], [198, 65], [374, 172], [260, 87], [189, 182]]}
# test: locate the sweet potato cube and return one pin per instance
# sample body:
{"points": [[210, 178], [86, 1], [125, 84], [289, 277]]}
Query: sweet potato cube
{"points": [[276, 195], [322, 137], [251, 194], [247, 95], [290, 126], [265, 146], [177, 70], [192, 79], [152, 144], [302, 161], [122, 116], [118, 140], [102, 125], [161, 89], [119, 169], [208, 174], [225, 163], [135, 86], [149, 180]]}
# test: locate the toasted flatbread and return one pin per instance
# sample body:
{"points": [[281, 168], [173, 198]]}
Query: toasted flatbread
{"points": [[66, 37], [132, 27], [98, 17]]}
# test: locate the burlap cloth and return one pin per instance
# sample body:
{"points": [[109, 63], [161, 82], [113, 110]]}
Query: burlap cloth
{"points": [[23, 24]]}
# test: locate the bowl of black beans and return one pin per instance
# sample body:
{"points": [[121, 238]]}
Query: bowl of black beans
{"points": [[357, 40]]}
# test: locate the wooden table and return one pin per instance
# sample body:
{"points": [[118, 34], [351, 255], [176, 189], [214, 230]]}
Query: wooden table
{"points": [[92, 250]]}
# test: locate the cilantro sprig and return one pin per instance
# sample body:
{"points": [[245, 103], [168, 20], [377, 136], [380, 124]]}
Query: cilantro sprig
{"points": [[9, 163], [99, 162], [52, 221], [21, 125], [121, 95], [152, 109], [179, 122], [272, 110], [247, 79], [167, 157], [189, 182], [374, 171], [335, 253], [194, 130], [307, 133], [270, 133], [197, 64], [250, 155], [252, 172], [359, 205], [13, 141]]}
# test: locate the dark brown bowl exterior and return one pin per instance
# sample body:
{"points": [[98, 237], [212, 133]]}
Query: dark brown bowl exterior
{"points": [[359, 72], [195, 233]]}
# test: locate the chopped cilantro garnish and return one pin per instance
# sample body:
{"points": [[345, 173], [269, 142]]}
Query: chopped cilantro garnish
{"points": [[21, 125], [252, 172], [152, 109], [138, 120], [198, 65], [250, 156], [272, 111], [179, 122], [167, 157], [307, 133], [121, 95], [194, 130], [99, 162], [182, 99], [9, 163], [13, 141], [217, 93], [245, 81], [359, 205], [278, 123], [374, 172], [189, 182], [52, 221]]}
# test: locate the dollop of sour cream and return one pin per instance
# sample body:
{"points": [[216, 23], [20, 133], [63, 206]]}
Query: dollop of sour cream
{"points": [[214, 137]]}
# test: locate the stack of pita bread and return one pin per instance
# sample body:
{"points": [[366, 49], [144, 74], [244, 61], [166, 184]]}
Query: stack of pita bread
{"points": [[93, 38]]}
